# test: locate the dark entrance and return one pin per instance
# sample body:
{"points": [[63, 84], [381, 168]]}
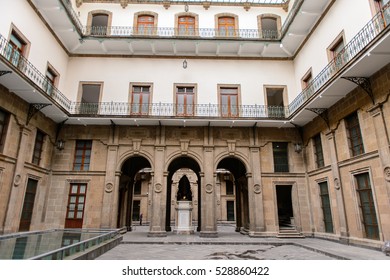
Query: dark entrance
{"points": [[184, 186], [285, 208], [240, 182], [134, 170]]}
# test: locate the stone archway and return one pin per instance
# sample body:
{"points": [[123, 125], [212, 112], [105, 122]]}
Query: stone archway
{"points": [[231, 170], [133, 191], [182, 163]]}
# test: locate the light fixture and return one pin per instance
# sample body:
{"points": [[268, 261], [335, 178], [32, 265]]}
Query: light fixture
{"points": [[185, 64], [298, 147], [60, 144]]}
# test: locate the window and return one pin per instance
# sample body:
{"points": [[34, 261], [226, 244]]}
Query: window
{"points": [[18, 48], [367, 206], [76, 203], [28, 205], [354, 135], [280, 154], [51, 79], [140, 98], [336, 51], [269, 26], [3, 128], [226, 26], [90, 98], [230, 210], [186, 26], [318, 151], [326, 208], [275, 100], [307, 79], [229, 187], [145, 25], [185, 96], [99, 22], [138, 186], [229, 101], [38, 147], [82, 155]]}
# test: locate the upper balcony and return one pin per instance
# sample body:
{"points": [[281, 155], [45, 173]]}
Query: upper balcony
{"points": [[86, 39], [365, 54]]}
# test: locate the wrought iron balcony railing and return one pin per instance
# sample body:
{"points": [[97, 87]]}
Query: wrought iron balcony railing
{"points": [[171, 110], [27, 70], [361, 40], [196, 33]]}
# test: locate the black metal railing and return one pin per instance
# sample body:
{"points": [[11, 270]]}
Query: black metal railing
{"points": [[361, 40], [128, 31]]}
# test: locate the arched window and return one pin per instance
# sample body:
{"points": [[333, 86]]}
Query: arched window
{"points": [[99, 23], [226, 26], [269, 26], [186, 25], [145, 25]]}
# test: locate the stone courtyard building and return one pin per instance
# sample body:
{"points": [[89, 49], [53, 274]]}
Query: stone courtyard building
{"points": [[269, 115]]}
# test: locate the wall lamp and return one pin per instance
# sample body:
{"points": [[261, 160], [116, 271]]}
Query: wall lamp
{"points": [[298, 147], [60, 144]]}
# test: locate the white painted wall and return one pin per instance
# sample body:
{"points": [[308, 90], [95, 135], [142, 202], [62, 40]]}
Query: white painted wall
{"points": [[117, 73], [342, 16], [166, 17], [44, 47]]}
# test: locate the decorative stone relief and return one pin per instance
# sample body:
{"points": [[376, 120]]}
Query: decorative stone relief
{"points": [[17, 180], [158, 188], [124, 3], [387, 173], [136, 145], [218, 202], [337, 183], [257, 189], [78, 3], [209, 188], [109, 187], [231, 146]]}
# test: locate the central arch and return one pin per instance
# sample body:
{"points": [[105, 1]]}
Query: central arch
{"points": [[231, 169], [182, 162]]}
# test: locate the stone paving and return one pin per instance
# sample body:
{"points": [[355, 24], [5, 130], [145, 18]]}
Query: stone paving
{"points": [[232, 245]]}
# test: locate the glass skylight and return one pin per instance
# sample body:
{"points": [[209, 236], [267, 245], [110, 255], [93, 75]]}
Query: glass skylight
{"points": [[227, 1]]}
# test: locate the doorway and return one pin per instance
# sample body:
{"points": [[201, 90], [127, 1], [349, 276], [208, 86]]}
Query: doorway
{"points": [[285, 207], [28, 205]]}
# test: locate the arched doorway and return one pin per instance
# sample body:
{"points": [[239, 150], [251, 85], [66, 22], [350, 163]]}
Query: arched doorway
{"points": [[181, 163], [133, 191], [233, 180]]}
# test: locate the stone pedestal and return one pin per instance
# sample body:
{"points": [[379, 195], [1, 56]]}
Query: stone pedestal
{"points": [[183, 221]]}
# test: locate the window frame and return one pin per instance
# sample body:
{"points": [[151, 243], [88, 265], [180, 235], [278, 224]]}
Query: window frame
{"points": [[136, 30], [51, 83], [89, 109], [277, 155], [78, 195], [38, 147], [355, 127], [307, 79], [229, 114], [14, 57], [318, 150], [140, 106], [83, 155], [195, 31], [278, 20], [275, 111], [218, 32], [91, 14], [185, 106], [4, 128]]}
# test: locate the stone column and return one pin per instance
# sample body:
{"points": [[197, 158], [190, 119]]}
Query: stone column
{"points": [[16, 198], [338, 186], [255, 195], [382, 139], [108, 211], [208, 207], [158, 194]]}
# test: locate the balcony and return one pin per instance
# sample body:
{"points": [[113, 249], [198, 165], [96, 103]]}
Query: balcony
{"points": [[79, 39], [365, 54]]}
